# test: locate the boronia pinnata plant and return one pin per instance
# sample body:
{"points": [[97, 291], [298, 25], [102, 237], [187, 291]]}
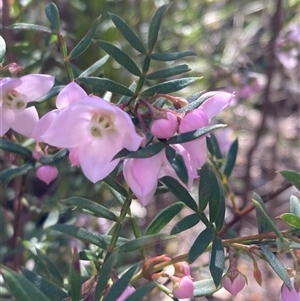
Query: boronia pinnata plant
{"points": [[148, 143]]}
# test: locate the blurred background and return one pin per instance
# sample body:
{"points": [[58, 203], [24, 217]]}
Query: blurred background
{"points": [[247, 47]]}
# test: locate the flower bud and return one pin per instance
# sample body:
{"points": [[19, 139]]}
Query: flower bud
{"points": [[183, 287], [289, 295], [182, 269], [47, 173], [164, 128], [234, 284], [129, 290]]}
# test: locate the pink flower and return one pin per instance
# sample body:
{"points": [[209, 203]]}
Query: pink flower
{"points": [[234, 284], [164, 128], [47, 173], [15, 94], [96, 128], [129, 290], [183, 288], [289, 295], [142, 174], [225, 138]]}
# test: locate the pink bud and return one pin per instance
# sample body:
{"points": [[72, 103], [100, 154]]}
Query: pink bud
{"points": [[47, 173], [287, 295], [164, 128], [234, 285], [183, 288], [129, 290], [182, 269]]}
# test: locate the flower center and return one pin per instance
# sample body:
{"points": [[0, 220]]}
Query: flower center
{"points": [[14, 100], [101, 125]]}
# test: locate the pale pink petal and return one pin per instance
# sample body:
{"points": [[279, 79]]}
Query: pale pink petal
{"points": [[197, 150], [74, 156], [96, 104], [289, 295], [69, 94], [184, 288], [35, 86], [6, 118], [47, 173], [25, 121], [215, 104], [193, 120], [43, 125], [129, 290], [8, 84]]}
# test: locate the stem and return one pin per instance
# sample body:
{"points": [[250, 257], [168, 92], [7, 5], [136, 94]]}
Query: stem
{"points": [[143, 75], [64, 52]]}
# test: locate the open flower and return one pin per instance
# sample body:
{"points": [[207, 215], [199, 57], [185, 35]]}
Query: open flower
{"points": [[97, 129], [15, 94]]}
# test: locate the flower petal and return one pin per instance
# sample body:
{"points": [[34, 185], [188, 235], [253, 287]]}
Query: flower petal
{"points": [[7, 117], [8, 84], [197, 151]]}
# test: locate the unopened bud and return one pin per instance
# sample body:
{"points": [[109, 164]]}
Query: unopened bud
{"points": [[234, 285], [289, 295], [165, 127], [182, 269], [47, 173], [183, 287]]}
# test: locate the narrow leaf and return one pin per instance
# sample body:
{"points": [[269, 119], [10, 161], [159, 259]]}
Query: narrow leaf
{"points": [[180, 192], [120, 56], [128, 34], [2, 48], [16, 148], [185, 223], [27, 26], [143, 242], [163, 218], [53, 92], [105, 275], [97, 84], [95, 68], [8, 174], [50, 290], [277, 266], [141, 291], [292, 219], [75, 277], [52, 14], [217, 261], [148, 151], [91, 207], [214, 149], [85, 41], [222, 208], [116, 186], [155, 25], [295, 205], [56, 158], [231, 158], [82, 234], [192, 135], [194, 104], [170, 86], [292, 176], [200, 244], [178, 164], [167, 72], [206, 186], [204, 288], [171, 56]]}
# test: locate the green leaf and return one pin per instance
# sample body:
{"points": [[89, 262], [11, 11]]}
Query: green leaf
{"points": [[53, 92], [97, 84], [21, 288], [277, 266], [120, 56], [50, 290], [222, 208], [265, 223], [155, 25], [214, 149], [75, 276], [171, 56], [85, 41], [27, 26], [206, 186], [195, 103], [200, 244], [170, 86], [119, 286], [116, 186], [185, 223], [178, 164], [295, 205], [56, 158], [167, 72], [82, 234], [95, 68], [217, 261], [292, 219], [204, 288], [2, 48], [192, 135], [143, 242], [126, 99], [48, 267], [128, 34], [231, 157], [163, 218], [292, 176], [16, 148], [105, 275], [11, 173], [148, 151], [90, 207], [52, 14], [141, 291]]}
